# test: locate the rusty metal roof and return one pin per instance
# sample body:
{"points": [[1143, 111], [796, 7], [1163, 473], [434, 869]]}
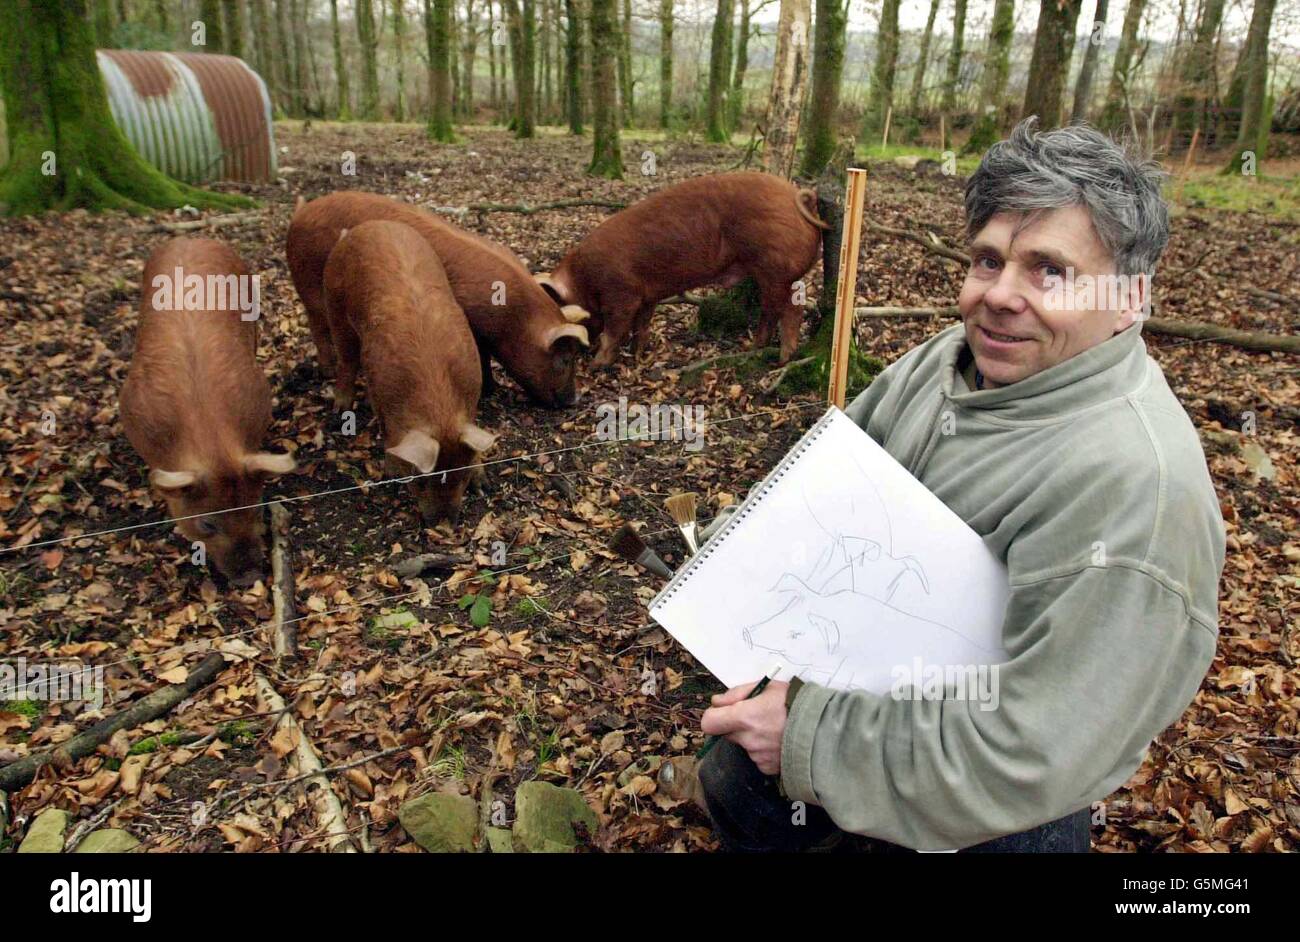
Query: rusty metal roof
{"points": [[194, 116]]}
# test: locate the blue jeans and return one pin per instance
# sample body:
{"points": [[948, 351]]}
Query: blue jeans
{"points": [[750, 815]]}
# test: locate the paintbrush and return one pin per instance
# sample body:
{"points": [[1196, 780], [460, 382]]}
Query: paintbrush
{"points": [[682, 509], [630, 546]]}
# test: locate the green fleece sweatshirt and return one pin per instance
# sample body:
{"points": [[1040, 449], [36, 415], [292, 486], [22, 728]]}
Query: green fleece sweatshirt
{"points": [[1089, 482]]}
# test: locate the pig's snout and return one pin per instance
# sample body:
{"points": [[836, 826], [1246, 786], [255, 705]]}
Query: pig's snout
{"points": [[244, 564]]}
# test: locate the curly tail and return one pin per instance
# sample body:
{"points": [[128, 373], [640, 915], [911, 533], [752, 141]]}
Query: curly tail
{"points": [[806, 202]]}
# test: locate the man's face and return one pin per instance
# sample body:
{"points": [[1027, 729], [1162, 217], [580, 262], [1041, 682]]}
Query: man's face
{"points": [[1019, 320]]}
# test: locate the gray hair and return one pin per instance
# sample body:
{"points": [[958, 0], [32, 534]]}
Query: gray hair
{"points": [[1075, 166]]}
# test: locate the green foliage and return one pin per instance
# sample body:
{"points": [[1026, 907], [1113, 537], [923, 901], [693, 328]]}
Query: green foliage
{"points": [[479, 603], [152, 744], [24, 707], [237, 733], [730, 313]]}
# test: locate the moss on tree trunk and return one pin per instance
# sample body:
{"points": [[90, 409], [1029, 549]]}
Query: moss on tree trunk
{"points": [[66, 151], [607, 158]]}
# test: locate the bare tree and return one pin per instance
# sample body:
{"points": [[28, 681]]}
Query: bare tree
{"points": [[789, 79]]}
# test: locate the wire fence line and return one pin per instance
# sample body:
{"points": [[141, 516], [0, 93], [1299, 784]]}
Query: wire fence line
{"points": [[364, 486]]}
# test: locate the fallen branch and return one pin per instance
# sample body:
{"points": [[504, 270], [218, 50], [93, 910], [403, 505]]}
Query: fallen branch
{"points": [[931, 244], [329, 810], [687, 298], [85, 827], [20, 773], [1246, 339], [212, 222], [906, 312], [768, 386], [1275, 296], [410, 568], [725, 358], [527, 209], [1191, 330], [284, 636]]}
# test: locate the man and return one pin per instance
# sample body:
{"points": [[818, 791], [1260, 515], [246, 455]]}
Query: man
{"points": [[1041, 421]]}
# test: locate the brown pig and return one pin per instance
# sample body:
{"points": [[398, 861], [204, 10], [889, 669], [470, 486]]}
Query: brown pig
{"points": [[392, 314], [513, 319], [195, 404], [712, 229]]}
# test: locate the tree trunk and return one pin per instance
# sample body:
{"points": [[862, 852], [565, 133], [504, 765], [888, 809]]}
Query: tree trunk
{"points": [[719, 73], [626, 103], [369, 105], [234, 27], [573, 66], [1253, 135], [954, 56], [318, 90], [299, 20], [665, 62], [284, 60], [437, 37], [214, 36], [65, 151], [1083, 87], [1196, 77], [494, 94], [102, 14], [1115, 113], [164, 19], [523, 41], [882, 77], [399, 58], [789, 80], [1046, 81], [260, 25], [606, 159], [993, 80], [469, 52], [453, 60], [828, 73], [736, 103], [918, 77], [344, 109]]}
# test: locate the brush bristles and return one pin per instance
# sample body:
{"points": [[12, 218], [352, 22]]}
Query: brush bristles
{"points": [[682, 508], [627, 544]]}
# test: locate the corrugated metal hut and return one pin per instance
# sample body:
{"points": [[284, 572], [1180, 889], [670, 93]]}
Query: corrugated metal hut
{"points": [[194, 116]]}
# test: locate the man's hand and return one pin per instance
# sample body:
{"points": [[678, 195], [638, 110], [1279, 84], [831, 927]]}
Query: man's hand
{"points": [[755, 725]]}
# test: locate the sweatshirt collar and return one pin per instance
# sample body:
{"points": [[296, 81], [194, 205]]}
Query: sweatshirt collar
{"points": [[1111, 369]]}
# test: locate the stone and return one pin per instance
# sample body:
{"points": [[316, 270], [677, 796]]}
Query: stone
{"points": [[108, 841], [500, 841], [46, 835], [545, 815], [440, 823]]}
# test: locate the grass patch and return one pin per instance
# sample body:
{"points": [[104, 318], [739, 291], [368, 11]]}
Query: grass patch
{"points": [[1265, 194]]}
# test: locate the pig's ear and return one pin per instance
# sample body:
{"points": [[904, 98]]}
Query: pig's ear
{"points": [[267, 465], [576, 331], [418, 449], [173, 481], [548, 285], [574, 314], [480, 439]]}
